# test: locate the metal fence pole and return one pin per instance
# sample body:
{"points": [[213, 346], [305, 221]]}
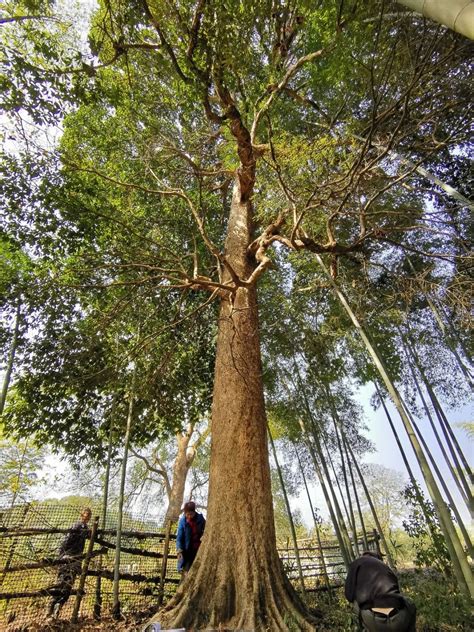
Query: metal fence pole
{"points": [[85, 568]]}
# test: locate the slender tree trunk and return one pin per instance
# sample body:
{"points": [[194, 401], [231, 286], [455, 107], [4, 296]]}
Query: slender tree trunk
{"points": [[446, 426], [345, 553], [452, 330], [105, 501], [356, 496], [411, 475], [336, 422], [348, 512], [288, 511], [413, 481], [458, 15], [237, 579], [322, 461], [11, 358], [371, 504], [458, 557], [316, 526], [445, 487], [448, 433], [337, 509], [181, 466], [116, 596], [352, 520], [456, 473]]}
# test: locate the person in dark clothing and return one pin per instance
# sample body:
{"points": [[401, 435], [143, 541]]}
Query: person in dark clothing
{"points": [[372, 587], [71, 547], [188, 539]]}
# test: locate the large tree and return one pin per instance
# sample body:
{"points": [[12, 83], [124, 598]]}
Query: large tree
{"points": [[215, 131]]}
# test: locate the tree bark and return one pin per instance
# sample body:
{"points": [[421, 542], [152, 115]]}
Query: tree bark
{"points": [[458, 15], [237, 578]]}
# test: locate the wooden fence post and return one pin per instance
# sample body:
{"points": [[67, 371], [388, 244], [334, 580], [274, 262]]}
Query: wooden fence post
{"points": [[85, 568], [164, 564]]}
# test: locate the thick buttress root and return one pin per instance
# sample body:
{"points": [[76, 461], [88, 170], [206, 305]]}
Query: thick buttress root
{"points": [[210, 598]]}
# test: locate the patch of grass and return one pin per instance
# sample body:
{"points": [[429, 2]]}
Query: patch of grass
{"points": [[336, 612], [439, 604]]}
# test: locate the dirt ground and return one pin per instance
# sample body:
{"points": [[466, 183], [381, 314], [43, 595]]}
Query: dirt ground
{"points": [[84, 625]]}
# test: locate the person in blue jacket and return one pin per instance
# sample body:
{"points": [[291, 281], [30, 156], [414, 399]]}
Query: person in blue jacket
{"points": [[188, 539]]}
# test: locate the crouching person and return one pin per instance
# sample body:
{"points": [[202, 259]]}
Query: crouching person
{"points": [[188, 539], [372, 587]]}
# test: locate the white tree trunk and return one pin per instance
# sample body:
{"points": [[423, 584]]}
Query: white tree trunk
{"points": [[455, 14]]}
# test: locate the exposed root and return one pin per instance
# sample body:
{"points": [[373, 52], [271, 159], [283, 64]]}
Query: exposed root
{"points": [[268, 605]]}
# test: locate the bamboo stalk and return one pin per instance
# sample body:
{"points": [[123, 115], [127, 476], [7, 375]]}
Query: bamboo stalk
{"points": [[456, 472], [11, 358], [316, 525], [458, 557], [105, 498], [116, 599], [288, 511]]}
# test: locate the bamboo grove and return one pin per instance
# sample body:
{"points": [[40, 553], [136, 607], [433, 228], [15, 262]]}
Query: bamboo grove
{"points": [[209, 201]]}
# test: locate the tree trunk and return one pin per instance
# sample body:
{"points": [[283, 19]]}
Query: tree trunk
{"points": [[445, 487], [105, 502], [335, 503], [458, 557], [453, 331], [442, 327], [339, 517], [116, 596], [346, 482], [11, 358], [356, 496], [237, 579], [181, 466], [455, 14]]}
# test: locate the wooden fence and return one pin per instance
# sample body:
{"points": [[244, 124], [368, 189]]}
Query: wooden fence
{"points": [[29, 563]]}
